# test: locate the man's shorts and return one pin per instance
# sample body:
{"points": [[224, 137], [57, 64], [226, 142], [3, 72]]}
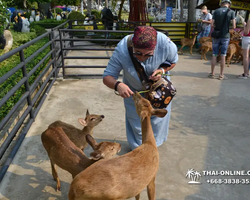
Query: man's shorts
{"points": [[220, 42], [245, 42]]}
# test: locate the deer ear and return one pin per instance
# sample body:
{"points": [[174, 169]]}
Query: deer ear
{"points": [[96, 155], [159, 112], [91, 141], [82, 122], [87, 113]]}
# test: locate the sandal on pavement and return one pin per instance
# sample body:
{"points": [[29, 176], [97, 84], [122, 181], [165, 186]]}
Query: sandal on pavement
{"points": [[242, 76], [211, 75], [222, 77]]}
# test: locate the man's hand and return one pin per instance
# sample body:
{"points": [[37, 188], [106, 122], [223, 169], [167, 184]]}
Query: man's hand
{"points": [[124, 90]]}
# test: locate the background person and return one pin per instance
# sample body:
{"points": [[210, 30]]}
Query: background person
{"points": [[221, 25], [151, 49], [245, 49], [206, 20]]}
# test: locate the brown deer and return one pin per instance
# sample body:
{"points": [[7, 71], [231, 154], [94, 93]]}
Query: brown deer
{"points": [[205, 47], [188, 42], [125, 176], [205, 39], [77, 136], [233, 49], [64, 153]]}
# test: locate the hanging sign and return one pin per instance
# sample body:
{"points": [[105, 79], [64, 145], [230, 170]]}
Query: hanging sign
{"points": [[239, 5], [169, 11]]}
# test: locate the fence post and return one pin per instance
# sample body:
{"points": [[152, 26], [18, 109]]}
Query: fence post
{"points": [[61, 46], [26, 84], [53, 55], [71, 33]]}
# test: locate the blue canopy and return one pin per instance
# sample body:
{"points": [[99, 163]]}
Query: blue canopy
{"points": [[66, 9]]}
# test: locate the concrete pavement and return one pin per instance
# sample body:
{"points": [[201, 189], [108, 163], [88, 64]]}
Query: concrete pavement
{"points": [[209, 130]]}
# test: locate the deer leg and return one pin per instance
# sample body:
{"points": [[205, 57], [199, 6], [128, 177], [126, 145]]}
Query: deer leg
{"points": [[137, 197], [205, 52], [229, 60], [181, 49], [151, 189], [55, 176], [191, 48]]}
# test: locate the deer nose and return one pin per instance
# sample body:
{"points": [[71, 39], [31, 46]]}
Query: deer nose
{"points": [[102, 116]]}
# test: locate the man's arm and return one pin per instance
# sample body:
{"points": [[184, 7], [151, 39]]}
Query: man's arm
{"points": [[234, 23], [212, 23]]}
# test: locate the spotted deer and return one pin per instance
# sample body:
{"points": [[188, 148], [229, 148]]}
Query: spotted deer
{"points": [[125, 176], [65, 154], [78, 136], [188, 42]]}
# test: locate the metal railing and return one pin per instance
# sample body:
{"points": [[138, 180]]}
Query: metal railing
{"points": [[27, 106], [61, 40]]}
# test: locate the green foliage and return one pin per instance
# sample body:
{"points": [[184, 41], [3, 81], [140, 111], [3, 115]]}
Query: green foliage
{"points": [[57, 10], [47, 23], [67, 2], [97, 13], [75, 15], [151, 19], [10, 63], [33, 4], [20, 3], [3, 16], [113, 4], [22, 38], [39, 30]]}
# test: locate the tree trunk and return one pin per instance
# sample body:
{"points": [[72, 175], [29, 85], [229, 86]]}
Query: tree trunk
{"points": [[192, 11], [106, 3], [120, 10], [89, 6], [82, 6], [181, 13], [25, 3], [163, 5]]}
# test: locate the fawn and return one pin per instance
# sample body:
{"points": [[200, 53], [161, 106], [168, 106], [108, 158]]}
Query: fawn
{"points": [[64, 153], [77, 136], [188, 42], [125, 176]]}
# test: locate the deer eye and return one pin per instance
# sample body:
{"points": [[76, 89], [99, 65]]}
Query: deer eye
{"points": [[92, 119]]}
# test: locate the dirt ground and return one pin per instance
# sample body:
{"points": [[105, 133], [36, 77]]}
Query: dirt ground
{"points": [[209, 130]]}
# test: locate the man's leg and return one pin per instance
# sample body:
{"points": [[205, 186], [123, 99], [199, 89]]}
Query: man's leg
{"points": [[216, 43], [224, 46]]}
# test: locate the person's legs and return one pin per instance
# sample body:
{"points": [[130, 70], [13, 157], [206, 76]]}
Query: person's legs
{"points": [[224, 46], [207, 31], [245, 54], [198, 38], [216, 46]]}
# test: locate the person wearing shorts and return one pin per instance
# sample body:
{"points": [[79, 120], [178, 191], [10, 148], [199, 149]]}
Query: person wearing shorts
{"points": [[245, 50], [221, 22]]}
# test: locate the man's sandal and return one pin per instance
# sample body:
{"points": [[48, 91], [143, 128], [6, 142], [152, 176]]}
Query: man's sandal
{"points": [[211, 75], [242, 76], [222, 77]]}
